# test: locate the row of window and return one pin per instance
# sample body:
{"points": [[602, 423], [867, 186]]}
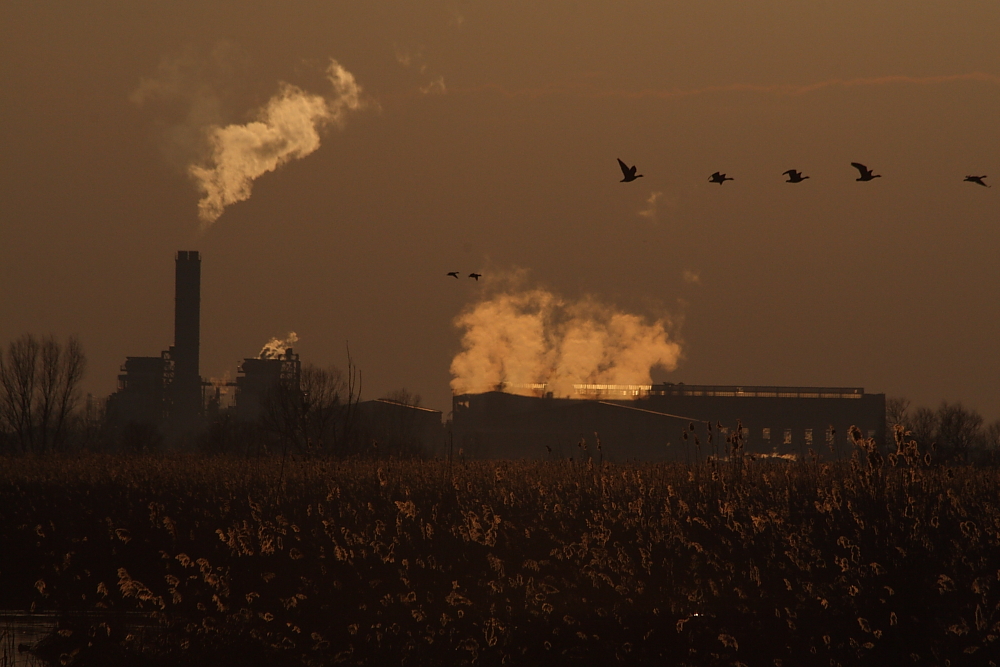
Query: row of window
{"points": [[765, 434]]}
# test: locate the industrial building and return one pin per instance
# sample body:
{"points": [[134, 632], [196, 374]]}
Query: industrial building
{"points": [[167, 397], [164, 398], [165, 392], [668, 422]]}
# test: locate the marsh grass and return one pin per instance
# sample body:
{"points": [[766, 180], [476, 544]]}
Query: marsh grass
{"points": [[874, 560]]}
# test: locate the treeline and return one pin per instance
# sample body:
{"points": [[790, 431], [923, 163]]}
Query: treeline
{"points": [[950, 434]]}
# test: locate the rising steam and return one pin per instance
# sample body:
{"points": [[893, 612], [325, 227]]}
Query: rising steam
{"points": [[520, 338], [288, 128], [275, 348]]}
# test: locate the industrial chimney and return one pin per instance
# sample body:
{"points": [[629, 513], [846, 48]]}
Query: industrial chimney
{"points": [[186, 382]]}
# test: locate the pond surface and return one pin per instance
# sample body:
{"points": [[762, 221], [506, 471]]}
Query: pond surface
{"points": [[19, 630]]}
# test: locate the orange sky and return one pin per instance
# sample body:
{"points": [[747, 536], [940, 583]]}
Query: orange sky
{"points": [[486, 141]]}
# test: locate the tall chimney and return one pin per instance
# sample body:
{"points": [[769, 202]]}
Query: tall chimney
{"points": [[187, 313], [185, 386]]}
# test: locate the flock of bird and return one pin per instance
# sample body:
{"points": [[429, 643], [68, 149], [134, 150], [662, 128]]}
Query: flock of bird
{"points": [[454, 274], [794, 176]]}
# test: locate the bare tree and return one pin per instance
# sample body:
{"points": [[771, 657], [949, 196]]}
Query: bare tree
{"points": [[923, 426], [318, 414], [991, 436], [959, 430], [39, 390], [896, 410]]}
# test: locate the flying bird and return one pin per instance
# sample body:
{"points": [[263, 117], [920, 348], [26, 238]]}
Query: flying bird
{"points": [[976, 179], [794, 176], [866, 173], [477, 276], [719, 178], [628, 172], [453, 274]]}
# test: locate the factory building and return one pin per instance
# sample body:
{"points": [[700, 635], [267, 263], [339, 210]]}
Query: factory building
{"points": [[649, 422], [260, 376], [164, 393]]}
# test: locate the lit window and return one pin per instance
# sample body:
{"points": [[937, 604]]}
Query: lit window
{"points": [[788, 436], [766, 434], [809, 436]]}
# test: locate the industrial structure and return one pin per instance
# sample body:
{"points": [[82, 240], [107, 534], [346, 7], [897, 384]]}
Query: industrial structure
{"points": [[165, 392], [164, 398], [667, 422]]}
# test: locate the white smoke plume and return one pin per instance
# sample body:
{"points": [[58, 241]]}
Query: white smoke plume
{"points": [[519, 338], [275, 348], [288, 128]]}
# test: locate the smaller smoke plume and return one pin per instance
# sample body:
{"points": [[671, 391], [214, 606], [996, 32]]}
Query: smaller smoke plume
{"points": [[288, 128], [520, 338], [275, 348]]}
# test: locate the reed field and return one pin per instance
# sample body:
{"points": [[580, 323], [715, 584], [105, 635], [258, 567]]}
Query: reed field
{"points": [[880, 559]]}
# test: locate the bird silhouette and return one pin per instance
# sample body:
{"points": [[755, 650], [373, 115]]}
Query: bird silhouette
{"points": [[866, 173], [477, 276], [719, 178], [453, 274], [628, 172], [976, 179], [794, 176]]}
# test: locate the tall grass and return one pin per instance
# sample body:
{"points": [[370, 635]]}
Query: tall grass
{"points": [[873, 560]]}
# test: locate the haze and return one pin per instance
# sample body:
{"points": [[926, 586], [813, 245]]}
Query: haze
{"points": [[485, 139]]}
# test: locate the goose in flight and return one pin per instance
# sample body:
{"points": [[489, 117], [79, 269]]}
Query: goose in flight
{"points": [[976, 179], [866, 173], [477, 276], [794, 176], [719, 178], [453, 274], [628, 172]]}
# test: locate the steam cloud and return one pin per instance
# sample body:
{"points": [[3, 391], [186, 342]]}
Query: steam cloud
{"points": [[275, 348], [288, 128], [533, 337]]}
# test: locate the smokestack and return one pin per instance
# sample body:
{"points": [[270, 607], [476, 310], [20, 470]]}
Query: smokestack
{"points": [[187, 314], [185, 387]]}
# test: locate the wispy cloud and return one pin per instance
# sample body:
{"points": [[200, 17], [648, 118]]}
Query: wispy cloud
{"points": [[435, 86], [650, 211], [590, 90], [415, 59]]}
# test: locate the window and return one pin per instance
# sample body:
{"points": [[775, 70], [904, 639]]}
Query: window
{"points": [[788, 436], [766, 434], [809, 436]]}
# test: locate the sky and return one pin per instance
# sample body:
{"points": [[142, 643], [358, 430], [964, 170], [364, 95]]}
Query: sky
{"points": [[332, 161]]}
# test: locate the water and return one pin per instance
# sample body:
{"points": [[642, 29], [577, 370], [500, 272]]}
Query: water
{"points": [[18, 629]]}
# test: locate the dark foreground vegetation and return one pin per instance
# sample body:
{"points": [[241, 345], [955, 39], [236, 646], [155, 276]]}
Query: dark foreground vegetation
{"points": [[878, 560]]}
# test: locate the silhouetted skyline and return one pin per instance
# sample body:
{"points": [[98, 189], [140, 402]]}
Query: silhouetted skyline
{"points": [[482, 137]]}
